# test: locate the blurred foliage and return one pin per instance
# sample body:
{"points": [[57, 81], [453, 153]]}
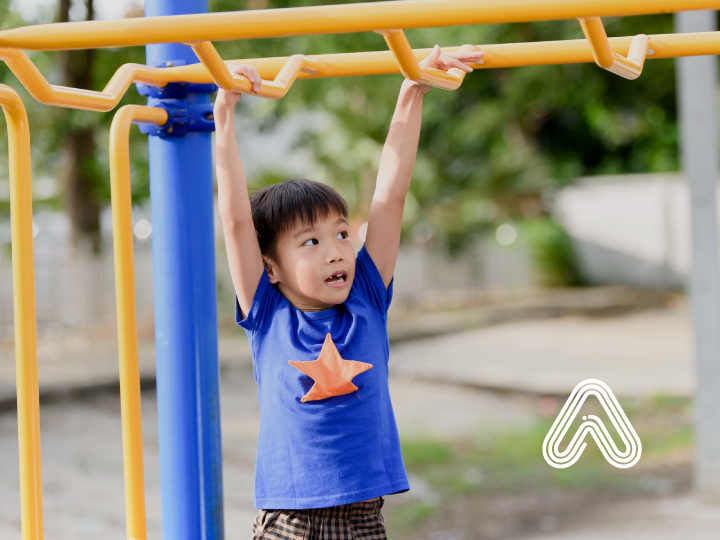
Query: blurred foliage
{"points": [[553, 253], [423, 452], [488, 151], [50, 125]]}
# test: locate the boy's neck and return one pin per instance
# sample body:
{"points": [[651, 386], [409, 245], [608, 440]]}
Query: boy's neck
{"points": [[300, 303], [315, 308]]}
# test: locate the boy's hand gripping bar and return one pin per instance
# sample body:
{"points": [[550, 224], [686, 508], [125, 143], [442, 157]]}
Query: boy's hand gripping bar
{"points": [[275, 89]]}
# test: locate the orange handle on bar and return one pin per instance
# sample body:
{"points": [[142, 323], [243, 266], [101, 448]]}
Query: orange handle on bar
{"points": [[629, 67], [274, 89], [411, 68]]}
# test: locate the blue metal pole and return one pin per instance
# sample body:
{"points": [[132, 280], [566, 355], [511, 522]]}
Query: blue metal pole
{"points": [[185, 299]]}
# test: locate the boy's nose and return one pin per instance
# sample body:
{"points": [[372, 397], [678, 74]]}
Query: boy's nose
{"points": [[334, 255]]}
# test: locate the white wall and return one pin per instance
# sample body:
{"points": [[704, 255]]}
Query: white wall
{"points": [[629, 229]]}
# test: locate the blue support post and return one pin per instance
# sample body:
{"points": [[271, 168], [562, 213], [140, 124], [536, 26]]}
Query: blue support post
{"points": [[185, 298]]}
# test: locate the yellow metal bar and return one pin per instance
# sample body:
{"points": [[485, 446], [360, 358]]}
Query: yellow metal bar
{"points": [[496, 56], [594, 32], [28, 402], [343, 18], [399, 45], [126, 315], [338, 65], [77, 98], [629, 67], [274, 89]]}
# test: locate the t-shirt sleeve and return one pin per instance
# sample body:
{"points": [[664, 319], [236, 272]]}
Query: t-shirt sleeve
{"points": [[368, 283], [263, 304]]}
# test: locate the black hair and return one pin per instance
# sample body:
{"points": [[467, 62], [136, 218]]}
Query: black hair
{"points": [[276, 209]]}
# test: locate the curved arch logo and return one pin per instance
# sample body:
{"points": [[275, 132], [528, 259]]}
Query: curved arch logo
{"points": [[595, 427]]}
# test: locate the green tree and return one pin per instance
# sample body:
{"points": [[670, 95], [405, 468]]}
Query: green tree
{"points": [[69, 146]]}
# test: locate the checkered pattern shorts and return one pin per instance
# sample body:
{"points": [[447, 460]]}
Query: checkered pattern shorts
{"points": [[355, 521]]}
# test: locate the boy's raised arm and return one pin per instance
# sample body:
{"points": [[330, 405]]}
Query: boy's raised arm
{"points": [[241, 243], [396, 164]]}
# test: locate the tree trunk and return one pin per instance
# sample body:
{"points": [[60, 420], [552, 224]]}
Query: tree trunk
{"points": [[78, 174]]}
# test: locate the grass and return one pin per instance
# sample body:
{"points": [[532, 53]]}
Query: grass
{"points": [[408, 515], [423, 452], [496, 464]]}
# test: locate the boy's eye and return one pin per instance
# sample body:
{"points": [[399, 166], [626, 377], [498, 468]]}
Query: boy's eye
{"points": [[342, 235], [311, 242]]}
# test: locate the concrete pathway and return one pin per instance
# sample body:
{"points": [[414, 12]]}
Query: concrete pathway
{"points": [[676, 518], [637, 354]]}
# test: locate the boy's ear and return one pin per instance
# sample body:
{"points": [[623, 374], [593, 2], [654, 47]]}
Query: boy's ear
{"points": [[271, 269]]}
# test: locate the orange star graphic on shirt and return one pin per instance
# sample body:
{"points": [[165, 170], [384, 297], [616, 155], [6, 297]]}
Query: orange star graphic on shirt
{"points": [[332, 374]]}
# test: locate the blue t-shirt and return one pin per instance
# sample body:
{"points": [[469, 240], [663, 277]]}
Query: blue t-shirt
{"points": [[330, 451]]}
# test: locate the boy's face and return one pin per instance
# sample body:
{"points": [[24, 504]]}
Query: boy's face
{"points": [[315, 264]]}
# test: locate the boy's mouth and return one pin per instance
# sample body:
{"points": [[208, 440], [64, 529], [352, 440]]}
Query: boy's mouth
{"points": [[338, 279]]}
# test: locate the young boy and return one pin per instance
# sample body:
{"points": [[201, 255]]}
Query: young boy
{"points": [[316, 317]]}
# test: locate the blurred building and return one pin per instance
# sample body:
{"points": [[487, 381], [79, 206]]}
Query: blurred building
{"points": [[630, 229]]}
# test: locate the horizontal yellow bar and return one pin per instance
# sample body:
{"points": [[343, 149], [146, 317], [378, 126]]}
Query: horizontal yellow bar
{"points": [[333, 19], [496, 56], [342, 65]]}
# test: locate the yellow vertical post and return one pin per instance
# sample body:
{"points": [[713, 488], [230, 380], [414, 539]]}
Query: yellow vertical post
{"points": [[28, 401], [126, 316]]}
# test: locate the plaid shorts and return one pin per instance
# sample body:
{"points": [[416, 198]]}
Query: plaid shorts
{"points": [[355, 521]]}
